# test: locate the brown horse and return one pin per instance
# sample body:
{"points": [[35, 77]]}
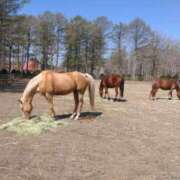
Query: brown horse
{"points": [[112, 81], [50, 83], [165, 84]]}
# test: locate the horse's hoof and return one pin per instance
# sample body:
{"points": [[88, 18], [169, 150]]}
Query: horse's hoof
{"points": [[114, 99], [109, 98], [77, 117], [51, 115], [73, 115]]}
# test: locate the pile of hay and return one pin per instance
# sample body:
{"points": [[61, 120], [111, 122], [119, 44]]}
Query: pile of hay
{"points": [[34, 126]]}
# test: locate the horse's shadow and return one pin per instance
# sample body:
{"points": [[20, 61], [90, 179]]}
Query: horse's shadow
{"points": [[166, 98], [89, 115], [163, 98], [116, 100]]}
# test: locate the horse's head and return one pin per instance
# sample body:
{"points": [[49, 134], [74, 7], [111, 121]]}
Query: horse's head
{"points": [[26, 108], [178, 84], [178, 88]]}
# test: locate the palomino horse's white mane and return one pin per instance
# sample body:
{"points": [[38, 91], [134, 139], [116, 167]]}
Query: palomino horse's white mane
{"points": [[31, 86]]}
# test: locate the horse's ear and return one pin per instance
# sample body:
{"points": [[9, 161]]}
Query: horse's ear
{"points": [[19, 100]]}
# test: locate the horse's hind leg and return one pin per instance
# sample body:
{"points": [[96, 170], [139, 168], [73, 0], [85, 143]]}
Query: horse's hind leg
{"points": [[116, 93], [49, 98], [80, 104], [170, 94], [76, 100], [171, 91]]}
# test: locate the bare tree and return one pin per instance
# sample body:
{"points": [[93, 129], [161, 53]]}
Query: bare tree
{"points": [[140, 36], [118, 36]]}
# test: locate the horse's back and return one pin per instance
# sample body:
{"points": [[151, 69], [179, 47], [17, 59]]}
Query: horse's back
{"points": [[112, 80], [56, 83], [165, 84], [62, 83]]}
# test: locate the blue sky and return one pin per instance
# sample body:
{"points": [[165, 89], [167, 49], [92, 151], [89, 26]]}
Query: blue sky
{"points": [[161, 15]]}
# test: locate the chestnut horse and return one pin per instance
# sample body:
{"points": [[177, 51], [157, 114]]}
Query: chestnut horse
{"points": [[165, 84], [50, 83], [112, 81]]}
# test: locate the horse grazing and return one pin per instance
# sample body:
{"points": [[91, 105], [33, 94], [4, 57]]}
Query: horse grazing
{"points": [[165, 84], [112, 81], [50, 83]]}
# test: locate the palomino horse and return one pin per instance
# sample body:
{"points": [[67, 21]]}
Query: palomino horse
{"points": [[112, 81], [50, 83], [165, 84]]}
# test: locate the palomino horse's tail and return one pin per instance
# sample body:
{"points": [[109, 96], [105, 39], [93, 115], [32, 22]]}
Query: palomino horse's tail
{"points": [[122, 87], [91, 89]]}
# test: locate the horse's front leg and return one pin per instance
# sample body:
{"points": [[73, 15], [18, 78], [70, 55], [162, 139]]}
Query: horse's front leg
{"points": [[153, 94], [49, 98], [107, 93], [170, 94], [80, 105], [76, 101]]}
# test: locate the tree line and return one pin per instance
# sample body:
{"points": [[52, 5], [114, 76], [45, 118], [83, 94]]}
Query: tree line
{"points": [[97, 46]]}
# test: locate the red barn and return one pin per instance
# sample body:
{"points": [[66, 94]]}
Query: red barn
{"points": [[33, 65]]}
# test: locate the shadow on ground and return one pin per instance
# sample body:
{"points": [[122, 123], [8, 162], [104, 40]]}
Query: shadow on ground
{"points": [[165, 98], [116, 100], [89, 115]]}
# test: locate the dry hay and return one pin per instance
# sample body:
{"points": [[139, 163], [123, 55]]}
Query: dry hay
{"points": [[34, 126]]}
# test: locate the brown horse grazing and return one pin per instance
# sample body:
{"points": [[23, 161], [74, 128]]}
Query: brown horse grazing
{"points": [[112, 81], [50, 83], [165, 84]]}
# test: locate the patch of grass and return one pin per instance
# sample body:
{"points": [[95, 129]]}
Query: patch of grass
{"points": [[34, 126]]}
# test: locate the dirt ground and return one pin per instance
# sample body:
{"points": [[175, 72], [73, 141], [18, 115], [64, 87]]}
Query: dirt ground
{"points": [[134, 140]]}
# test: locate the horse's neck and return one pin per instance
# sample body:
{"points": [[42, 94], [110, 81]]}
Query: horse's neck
{"points": [[28, 95], [31, 88]]}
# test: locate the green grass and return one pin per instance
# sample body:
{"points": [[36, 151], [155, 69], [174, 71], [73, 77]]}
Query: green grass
{"points": [[34, 126]]}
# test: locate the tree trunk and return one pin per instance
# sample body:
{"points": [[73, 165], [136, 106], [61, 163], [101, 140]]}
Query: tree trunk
{"points": [[86, 58], [18, 58], [28, 49], [58, 44], [10, 56], [92, 62]]}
